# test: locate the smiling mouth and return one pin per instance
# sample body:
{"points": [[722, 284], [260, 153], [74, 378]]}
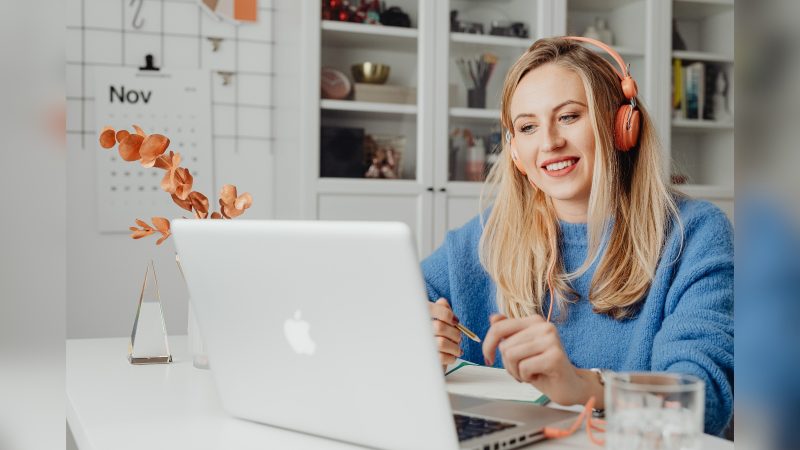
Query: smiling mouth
{"points": [[561, 167]]}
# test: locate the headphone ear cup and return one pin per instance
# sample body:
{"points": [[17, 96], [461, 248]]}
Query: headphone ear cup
{"points": [[626, 127]]}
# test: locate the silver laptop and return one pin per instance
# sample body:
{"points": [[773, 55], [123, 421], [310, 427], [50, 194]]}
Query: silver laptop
{"points": [[323, 327]]}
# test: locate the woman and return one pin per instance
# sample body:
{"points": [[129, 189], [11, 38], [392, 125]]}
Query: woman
{"points": [[642, 277]]}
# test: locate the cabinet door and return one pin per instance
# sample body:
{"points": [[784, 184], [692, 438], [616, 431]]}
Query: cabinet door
{"points": [[452, 211], [412, 209]]}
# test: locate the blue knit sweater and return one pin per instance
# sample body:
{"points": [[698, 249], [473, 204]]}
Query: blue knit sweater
{"points": [[685, 324]]}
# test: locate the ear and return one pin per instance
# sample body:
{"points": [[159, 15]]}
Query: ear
{"points": [[514, 155]]}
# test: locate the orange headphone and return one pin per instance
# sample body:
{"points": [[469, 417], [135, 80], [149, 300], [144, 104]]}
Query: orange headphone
{"points": [[627, 120]]}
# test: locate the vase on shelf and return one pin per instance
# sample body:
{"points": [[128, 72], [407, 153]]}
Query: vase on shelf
{"points": [[149, 344]]}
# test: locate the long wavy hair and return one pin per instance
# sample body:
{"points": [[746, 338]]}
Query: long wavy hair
{"points": [[630, 205]]}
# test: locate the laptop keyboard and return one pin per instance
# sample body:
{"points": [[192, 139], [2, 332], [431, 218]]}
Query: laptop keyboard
{"points": [[471, 427]]}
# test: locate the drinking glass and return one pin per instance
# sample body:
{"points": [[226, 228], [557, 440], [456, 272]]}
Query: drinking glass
{"points": [[654, 410]]}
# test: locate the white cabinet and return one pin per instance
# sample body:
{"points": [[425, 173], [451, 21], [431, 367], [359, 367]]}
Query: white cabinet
{"points": [[702, 148], [449, 128]]}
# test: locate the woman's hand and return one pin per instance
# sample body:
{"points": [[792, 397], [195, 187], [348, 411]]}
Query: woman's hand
{"points": [[532, 353], [448, 337]]}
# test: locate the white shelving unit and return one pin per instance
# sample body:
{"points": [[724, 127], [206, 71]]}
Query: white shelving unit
{"points": [[367, 107], [433, 195], [702, 150], [702, 56]]}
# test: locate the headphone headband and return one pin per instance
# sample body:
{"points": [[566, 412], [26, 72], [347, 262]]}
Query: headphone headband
{"points": [[624, 72], [629, 87]]}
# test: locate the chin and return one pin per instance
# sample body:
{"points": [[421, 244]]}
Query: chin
{"points": [[563, 193]]}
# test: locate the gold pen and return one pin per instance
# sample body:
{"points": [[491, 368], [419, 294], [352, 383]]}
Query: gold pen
{"points": [[468, 333]]}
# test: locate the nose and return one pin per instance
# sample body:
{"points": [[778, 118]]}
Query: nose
{"points": [[552, 139]]}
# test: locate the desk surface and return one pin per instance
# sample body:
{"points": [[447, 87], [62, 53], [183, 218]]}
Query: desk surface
{"points": [[114, 405]]}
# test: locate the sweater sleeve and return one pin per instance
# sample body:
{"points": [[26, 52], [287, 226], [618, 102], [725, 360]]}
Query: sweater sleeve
{"points": [[436, 270], [696, 335]]}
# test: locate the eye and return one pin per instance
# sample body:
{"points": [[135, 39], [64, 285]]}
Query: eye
{"points": [[568, 118], [527, 128]]}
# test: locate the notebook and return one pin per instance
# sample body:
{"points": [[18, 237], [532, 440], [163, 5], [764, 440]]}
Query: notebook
{"points": [[466, 378]]}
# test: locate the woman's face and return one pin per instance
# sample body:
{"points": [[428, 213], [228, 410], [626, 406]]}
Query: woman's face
{"points": [[553, 135]]}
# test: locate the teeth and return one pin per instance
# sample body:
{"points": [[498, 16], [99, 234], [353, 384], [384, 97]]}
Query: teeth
{"points": [[560, 165]]}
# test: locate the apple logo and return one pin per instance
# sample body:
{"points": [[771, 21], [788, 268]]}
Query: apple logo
{"points": [[296, 331]]}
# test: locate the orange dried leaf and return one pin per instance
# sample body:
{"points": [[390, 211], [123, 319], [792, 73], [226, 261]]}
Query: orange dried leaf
{"points": [[153, 147], [108, 138], [161, 224], [228, 194], [142, 224], [139, 130], [163, 238], [184, 183], [163, 162], [243, 201], [121, 135], [185, 204], [168, 182], [231, 205], [141, 233], [200, 204], [129, 148], [216, 215]]}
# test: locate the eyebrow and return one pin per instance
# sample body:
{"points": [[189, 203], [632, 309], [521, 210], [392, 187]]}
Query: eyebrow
{"points": [[557, 107]]}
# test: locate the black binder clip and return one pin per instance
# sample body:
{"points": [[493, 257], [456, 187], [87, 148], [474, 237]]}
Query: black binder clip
{"points": [[148, 63]]}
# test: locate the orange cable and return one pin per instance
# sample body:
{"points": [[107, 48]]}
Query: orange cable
{"points": [[591, 424]]}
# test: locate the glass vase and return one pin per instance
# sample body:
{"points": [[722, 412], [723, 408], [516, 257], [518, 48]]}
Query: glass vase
{"points": [[149, 344], [194, 340]]}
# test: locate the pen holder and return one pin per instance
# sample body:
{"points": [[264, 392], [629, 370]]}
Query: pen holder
{"points": [[476, 98]]}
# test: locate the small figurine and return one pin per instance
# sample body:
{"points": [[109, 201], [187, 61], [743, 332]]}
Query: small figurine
{"points": [[721, 111]]}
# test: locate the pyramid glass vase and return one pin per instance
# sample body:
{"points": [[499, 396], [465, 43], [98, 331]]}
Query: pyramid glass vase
{"points": [[149, 343]]}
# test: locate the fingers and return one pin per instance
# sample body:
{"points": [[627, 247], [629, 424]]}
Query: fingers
{"points": [[547, 363], [445, 330], [446, 359], [494, 318], [530, 368], [503, 329], [448, 350], [542, 335], [441, 311], [512, 356], [538, 338], [448, 337]]}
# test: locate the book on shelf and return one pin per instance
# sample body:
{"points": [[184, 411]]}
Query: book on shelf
{"points": [[700, 91], [694, 91], [677, 88], [384, 93]]}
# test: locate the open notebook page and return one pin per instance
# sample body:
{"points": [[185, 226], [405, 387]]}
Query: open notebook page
{"points": [[488, 382]]}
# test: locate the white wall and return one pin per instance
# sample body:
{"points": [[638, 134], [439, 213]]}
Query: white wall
{"points": [[105, 271]]}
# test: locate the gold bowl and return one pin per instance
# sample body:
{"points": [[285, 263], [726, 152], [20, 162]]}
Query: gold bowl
{"points": [[372, 73]]}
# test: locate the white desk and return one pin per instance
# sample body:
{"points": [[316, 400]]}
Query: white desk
{"points": [[112, 405]]}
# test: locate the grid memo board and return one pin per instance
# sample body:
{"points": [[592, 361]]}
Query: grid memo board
{"points": [[235, 59]]}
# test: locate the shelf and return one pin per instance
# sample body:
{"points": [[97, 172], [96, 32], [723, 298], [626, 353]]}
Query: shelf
{"points": [[476, 113], [701, 125], [700, 9], [367, 107], [359, 35], [701, 56], [363, 186], [705, 190], [597, 5], [490, 40]]}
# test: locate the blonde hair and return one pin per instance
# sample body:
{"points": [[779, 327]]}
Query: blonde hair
{"points": [[630, 205]]}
